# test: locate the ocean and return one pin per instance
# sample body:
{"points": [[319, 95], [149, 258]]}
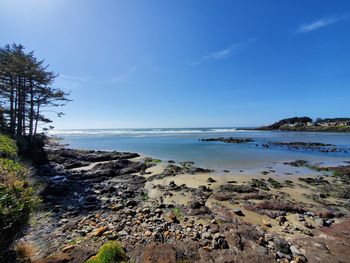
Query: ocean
{"points": [[183, 144]]}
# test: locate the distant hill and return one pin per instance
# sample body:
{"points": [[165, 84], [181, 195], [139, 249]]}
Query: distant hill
{"points": [[307, 124]]}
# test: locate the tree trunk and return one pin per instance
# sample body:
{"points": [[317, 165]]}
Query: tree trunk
{"points": [[31, 114], [12, 106], [37, 117]]}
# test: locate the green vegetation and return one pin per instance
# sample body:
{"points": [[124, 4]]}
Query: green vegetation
{"points": [[26, 92], [307, 124], [8, 147], [151, 161], [288, 183], [26, 95], [274, 183], [259, 183], [17, 197], [177, 211], [337, 174], [111, 252], [144, 196]]}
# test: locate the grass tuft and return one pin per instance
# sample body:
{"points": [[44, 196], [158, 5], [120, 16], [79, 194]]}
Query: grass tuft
{"points": [[111, 252]]}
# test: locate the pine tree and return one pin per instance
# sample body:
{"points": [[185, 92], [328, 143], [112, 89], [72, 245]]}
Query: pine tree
{"points": [[26, 91]]}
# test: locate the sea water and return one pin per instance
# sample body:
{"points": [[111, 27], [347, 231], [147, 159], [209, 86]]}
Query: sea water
{"points": [[183, 144]]}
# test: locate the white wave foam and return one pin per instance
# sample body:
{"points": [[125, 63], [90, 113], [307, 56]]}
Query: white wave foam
{"points": [[140, 131]]}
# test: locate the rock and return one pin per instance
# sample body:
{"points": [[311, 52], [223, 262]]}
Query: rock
{"points": [[279, 254], [295, 251], [211, 180], [206, 235], [158, 211], [307, 224], [238, 212], [328, 222], [222, 196], [307, 232], [155, 252], [122, 233], [266, 223], [172, 217], [310, 214], [228, 140], [281, 220], [100, 231], [131, 203], [220, 243], [195, 204], [282, 246], [67, 248]]}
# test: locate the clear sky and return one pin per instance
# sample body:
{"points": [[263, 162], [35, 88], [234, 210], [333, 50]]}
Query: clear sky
{"points": [[189, 63]]}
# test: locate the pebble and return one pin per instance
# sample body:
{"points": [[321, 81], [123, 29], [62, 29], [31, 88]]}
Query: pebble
{"points": [[122, 233], [100, 231], [266, 223], [328, 222], [311, 214], [64, 220], [65, 249], [295, 251], [238, 212], [206, 235]]}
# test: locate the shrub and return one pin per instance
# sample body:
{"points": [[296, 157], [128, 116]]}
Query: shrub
{"points": [[17, 198], [11, 170], [111, 252], [8, 147], [16, 202]]}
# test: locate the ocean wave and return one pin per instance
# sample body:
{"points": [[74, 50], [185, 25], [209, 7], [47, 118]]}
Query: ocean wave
{"points": [[140, 131]]}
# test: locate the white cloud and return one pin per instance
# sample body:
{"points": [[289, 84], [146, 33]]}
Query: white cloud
{"points": [[70, 82], [222, 54], [326, 21], [124, 75]]}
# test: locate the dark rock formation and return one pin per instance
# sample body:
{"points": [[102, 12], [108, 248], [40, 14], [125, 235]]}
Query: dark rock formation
{"points": [[228, 140]]}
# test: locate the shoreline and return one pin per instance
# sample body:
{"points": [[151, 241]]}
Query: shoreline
{"points": [[151, 206]]}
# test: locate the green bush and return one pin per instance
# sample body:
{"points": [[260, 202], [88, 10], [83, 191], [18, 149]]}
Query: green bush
{"points": [[11, 170], [8, 147], [111, 252], [17, 198], [16, 203]]}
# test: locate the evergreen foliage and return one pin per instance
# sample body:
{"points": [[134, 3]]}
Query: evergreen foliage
{"points": [[26, 92]]}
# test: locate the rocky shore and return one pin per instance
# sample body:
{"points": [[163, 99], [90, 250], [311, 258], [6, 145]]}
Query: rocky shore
{"points": [[298, 146], [228, 140], [175, 212], [307, 146]]}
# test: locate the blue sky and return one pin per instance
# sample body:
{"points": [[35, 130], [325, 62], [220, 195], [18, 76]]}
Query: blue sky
{"points": [[189, 63]]}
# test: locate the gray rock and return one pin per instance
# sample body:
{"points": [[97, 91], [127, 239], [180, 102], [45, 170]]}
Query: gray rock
{"points": [[238, 212], [206, 235], [280, 254], [296, 252], [328, 222], [122, 233], [319, 222], [311, 214]]}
